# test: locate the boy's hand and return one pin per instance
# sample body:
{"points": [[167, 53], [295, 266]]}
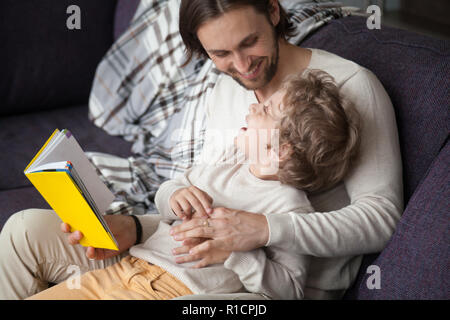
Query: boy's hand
{"points": [[186, 200]]}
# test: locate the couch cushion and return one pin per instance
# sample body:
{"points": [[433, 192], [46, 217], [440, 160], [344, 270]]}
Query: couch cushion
{"points": [[124, 14], [44, 64], [21, 136], [414, 265], [16, 200], [414, 70]]}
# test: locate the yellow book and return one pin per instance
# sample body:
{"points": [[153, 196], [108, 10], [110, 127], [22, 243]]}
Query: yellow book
{"points": [[67, 180]]}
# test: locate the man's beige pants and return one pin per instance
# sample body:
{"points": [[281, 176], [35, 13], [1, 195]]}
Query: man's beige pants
{"points": [[35, 252]]}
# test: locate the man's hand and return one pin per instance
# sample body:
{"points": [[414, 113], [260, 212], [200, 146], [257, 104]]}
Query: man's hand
{"points": [[122, 227], [186, 200], [228, 230]]}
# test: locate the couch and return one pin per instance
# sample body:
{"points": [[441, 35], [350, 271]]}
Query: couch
{"points": [[47, 72]]}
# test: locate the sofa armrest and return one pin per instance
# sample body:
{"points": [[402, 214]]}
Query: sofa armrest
{"points": [[414, 264]]}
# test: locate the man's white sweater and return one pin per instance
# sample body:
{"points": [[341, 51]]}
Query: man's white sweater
{"points": [[356, 217]]}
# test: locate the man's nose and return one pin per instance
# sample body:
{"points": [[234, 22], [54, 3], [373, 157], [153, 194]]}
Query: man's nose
{"points": [[242, 63]]}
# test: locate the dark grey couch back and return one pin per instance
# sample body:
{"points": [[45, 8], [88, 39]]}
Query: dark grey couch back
{"points": [[44, 64]]}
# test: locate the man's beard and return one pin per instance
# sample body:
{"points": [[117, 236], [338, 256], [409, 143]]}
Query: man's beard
{"points": [[269, 72]]}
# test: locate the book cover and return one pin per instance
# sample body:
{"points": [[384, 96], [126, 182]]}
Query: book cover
{"points": [[66, 179]]}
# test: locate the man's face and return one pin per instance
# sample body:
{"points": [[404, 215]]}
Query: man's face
{"points": [[242, 43]]}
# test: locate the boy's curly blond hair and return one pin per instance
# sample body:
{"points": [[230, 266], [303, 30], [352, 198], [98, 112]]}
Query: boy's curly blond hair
{"points": [[321, 128]]}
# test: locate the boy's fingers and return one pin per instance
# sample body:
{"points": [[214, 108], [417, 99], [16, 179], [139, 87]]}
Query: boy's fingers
{"points": [[185, 206], [176, 208], [181, 250], [187, 258], [204, 199], [196, 204], [188, 244]]}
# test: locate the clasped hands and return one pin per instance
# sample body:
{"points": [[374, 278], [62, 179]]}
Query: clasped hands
{"points": [[210, 235], [200, 224]]}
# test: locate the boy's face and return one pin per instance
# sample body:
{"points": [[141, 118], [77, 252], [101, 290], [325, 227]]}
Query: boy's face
{"points": [[261, 134]]}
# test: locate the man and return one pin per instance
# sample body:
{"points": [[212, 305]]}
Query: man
{"points": [[247, 40]]}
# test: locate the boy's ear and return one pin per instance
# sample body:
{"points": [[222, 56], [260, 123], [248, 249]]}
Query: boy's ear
{"points": [[284, 153]]}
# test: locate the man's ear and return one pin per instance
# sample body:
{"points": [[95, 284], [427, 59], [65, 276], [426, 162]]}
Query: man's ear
{"points": [[274, 12]]}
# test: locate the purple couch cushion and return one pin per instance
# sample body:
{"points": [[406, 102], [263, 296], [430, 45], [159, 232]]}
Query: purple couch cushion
{"points": [[124, 14], [23, 135], [414, 70], [44, 64], [16, 200], [415, 263]]}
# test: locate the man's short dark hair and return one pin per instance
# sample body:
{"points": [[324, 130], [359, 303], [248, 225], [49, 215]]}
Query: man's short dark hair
{"points": [[193, 13]]}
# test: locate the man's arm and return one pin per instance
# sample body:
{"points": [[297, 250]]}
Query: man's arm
{"points": [[374, 187]]}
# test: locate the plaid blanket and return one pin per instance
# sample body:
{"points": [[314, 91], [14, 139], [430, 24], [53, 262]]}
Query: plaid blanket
{"points": [[141, 93]]}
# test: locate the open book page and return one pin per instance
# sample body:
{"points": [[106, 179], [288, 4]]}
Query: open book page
{"points": [[64, 147]]}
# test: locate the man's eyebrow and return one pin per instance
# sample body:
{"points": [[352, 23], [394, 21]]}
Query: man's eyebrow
{"points": [[247, 38], [217, 51], [240, 45]]}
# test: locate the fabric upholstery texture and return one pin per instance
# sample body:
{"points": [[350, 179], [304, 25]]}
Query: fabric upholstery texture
{"points": [[415, 263], [123, 15], [45, 65]]}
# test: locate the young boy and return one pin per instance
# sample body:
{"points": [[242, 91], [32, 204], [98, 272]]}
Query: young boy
{"points": [[303, 139]]}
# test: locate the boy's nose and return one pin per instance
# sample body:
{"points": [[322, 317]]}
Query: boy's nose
{"points": [[253, 108]]}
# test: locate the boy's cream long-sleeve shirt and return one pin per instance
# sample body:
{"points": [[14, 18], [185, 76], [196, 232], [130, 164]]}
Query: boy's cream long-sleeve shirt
{"points": [[278, 273], [356, 217]]}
